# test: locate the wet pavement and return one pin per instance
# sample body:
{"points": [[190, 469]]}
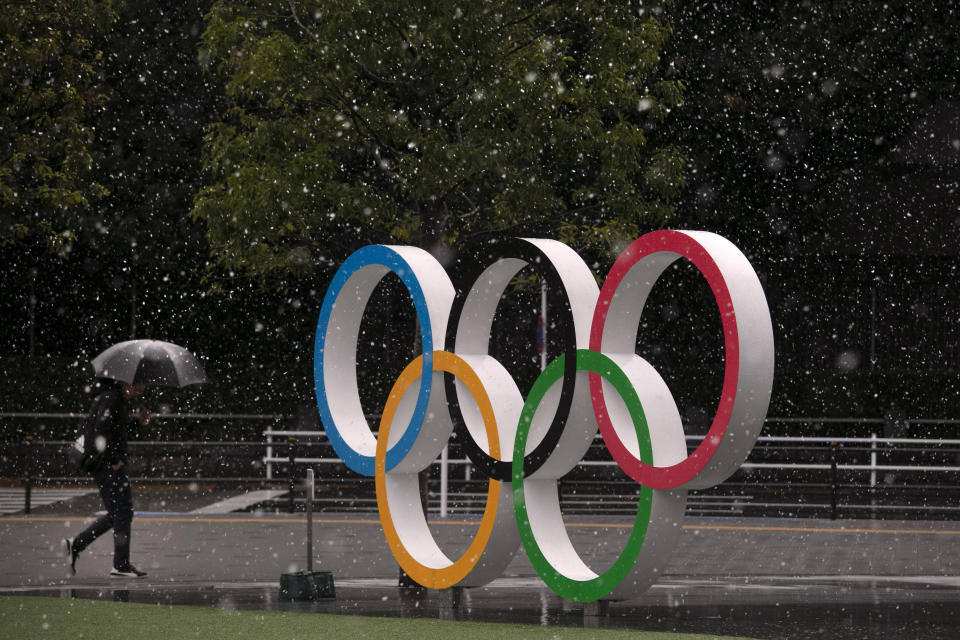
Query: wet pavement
{"points": [[760, 578]]}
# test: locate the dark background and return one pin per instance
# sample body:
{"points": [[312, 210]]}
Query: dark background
{"points": [[823, 139]]}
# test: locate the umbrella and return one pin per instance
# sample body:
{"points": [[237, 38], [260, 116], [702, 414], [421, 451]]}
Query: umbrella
{"points": [[151, 362]]}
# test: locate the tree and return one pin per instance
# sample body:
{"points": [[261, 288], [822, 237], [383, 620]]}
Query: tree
{"points": [[147, 152], [148, 141], [48, 91], [132, 112], [823, 138], [425, 123], [793, 109]]}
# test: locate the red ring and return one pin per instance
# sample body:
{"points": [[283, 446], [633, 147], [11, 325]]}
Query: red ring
{"points": [[678, 474]]}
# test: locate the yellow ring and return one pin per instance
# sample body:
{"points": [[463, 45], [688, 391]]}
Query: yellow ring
{"points": [[437, 578]]}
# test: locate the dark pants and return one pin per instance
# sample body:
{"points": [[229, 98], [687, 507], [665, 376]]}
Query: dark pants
{"points": [[118, 500]]}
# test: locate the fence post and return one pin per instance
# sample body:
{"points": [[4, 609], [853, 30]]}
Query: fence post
{"points": [[293, 443], [27, 480], [834, 481], [444, 488], [873, 474], [269, 455], [309, 506]]}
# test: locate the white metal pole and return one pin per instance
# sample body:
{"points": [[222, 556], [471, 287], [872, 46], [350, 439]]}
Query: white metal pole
{"points": [[309, 519], [873, 459], [444, 472], [543, 324], [269, 457]]}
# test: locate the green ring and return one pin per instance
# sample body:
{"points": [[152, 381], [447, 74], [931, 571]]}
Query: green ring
{"points": [[596, 588]]}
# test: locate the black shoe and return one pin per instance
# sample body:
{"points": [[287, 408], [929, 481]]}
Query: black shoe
{"points": [[129, 571], [70, 554]]}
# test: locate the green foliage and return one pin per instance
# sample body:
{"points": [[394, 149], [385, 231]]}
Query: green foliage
{"points": [[148, 141], [48, 90], [370, 121]]}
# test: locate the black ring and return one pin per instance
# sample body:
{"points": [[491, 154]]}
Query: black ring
{"points": [[466, 274]]}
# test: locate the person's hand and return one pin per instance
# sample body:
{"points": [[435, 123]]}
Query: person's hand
{"points": [[144, 417], [116, 467]]}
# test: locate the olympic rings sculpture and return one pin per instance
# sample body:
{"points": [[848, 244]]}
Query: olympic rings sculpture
{"points": [[525, 445]]}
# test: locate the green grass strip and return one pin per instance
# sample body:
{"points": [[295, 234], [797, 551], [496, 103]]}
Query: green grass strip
{"points": [[36, 618]]}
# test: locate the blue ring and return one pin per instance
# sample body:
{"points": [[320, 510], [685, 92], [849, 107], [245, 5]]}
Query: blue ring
{"points": [[374, 255]]}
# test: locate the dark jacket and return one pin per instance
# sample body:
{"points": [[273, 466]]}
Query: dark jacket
{"points": [[106, 427]]}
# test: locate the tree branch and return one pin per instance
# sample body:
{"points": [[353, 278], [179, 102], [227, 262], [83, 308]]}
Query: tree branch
{"points": [[296, 18]]}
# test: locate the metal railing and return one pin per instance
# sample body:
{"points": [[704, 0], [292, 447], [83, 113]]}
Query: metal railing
{"points": [[854, 471], [841, 466], [35, 457]]}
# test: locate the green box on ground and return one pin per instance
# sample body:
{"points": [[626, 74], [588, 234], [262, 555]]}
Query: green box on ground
{"points": [[307, 585]]}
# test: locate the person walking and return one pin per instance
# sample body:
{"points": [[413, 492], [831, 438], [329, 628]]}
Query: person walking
{"points": [[105, 457]]}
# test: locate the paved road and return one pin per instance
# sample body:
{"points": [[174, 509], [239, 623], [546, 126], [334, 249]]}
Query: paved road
{"points": [[761, 578]]}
